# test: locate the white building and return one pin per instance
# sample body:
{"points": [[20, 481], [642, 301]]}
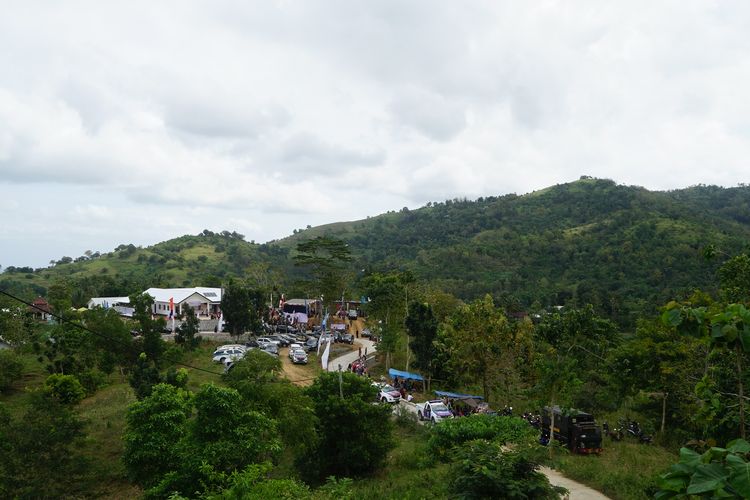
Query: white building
{"points": [[206, 302]]}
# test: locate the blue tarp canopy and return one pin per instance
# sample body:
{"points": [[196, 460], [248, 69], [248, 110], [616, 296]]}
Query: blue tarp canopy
{"points": [[455, 395], [405, 375]]}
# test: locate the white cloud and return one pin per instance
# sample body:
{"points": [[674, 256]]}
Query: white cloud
{"points": [[269, 116]]}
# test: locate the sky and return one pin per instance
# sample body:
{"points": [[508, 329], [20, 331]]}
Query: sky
{"points": [[136, 122]]}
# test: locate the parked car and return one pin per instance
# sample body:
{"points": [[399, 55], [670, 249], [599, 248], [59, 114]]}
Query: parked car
{"points": [[299, 357], [230, 346], [294, 347], [224, 355], [434, 411], [388, 393], [271, 348], [289, 337], [366, 332], [251, 344], [352, 314], [347, 338], [286, 329], [282, 341], [267, 340], [311, 344]]}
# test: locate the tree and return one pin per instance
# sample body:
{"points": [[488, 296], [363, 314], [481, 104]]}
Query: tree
{"points": [[734, 276], [364, 446], [153, 344], [186, 336], [18, 328], [422, 327], [222, 438], [325, 259], [113, 341], [60, 293], [258, 379], [11, 368], [478, 339], [40, 450], [64, 388], [723, 327], [144, 376], [387, 293], [154, 426], [659, 362], [236, 308], [580, 337]]}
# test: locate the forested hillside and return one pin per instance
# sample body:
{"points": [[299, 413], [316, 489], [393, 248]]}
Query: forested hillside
{"points": [[624, 249]]}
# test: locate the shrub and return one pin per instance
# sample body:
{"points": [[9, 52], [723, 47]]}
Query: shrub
{"points": [[11, 368], [65, 388], [483, 469], [453, 432], [717, 473]]}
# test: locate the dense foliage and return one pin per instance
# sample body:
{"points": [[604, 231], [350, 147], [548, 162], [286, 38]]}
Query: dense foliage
{"points": [[484, 469], [40, 450], [455, 432], [354, 435], [717, 473]]}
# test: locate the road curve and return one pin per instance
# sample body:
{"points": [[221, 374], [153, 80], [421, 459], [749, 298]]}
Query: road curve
{"points": [[350, 357]]}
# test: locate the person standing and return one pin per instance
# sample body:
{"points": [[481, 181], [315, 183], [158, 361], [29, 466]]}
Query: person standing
{"points": [[360, 352]]}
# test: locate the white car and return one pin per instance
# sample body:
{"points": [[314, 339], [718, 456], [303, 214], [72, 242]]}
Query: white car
{"points": [[388, 393], [299, 356], [434, 411], [294, 347], [230, 346], [224, 355]]}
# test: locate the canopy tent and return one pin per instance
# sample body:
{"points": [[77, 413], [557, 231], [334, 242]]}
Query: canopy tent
{"points": [[474, 403], [405, 375], [455, 395], [338, 326]]}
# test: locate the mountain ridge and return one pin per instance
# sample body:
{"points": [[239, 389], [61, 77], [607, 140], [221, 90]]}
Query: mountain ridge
{"points": [[624, 249]]}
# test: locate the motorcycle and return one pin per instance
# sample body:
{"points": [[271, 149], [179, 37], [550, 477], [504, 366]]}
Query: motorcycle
{"points": [[633, 429]]}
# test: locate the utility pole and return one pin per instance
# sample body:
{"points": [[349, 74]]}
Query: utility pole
{"points": [[406, 313], [341, 382]]}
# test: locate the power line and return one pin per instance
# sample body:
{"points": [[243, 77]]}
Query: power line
{"points": [[102, 335]]}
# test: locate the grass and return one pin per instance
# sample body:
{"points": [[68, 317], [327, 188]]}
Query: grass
{"points": [[624, 471], [407, 475], [16, 398], [105, 415]]}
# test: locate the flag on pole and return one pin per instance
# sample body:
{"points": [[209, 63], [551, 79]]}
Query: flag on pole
{"points": [[171, 311], [324, 359]]}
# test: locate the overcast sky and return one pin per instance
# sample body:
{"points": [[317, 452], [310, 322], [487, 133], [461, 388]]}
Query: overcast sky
{"points": [[135, 122]]}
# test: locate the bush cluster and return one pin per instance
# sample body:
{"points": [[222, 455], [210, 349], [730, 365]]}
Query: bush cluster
{"points": [[454, 432]]}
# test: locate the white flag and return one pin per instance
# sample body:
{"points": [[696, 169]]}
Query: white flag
{"points": [[324, 359]]}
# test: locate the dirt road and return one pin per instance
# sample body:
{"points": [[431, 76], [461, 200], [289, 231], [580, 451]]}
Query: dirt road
{"points": [[298, 374]]}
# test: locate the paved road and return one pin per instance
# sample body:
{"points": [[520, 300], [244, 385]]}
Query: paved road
{"points": [[350, 357]]}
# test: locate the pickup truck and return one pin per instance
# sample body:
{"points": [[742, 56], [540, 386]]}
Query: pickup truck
{"points": [[434, 411]]}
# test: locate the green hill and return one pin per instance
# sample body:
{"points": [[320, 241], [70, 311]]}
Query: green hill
{"points": [[624, 249]]}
